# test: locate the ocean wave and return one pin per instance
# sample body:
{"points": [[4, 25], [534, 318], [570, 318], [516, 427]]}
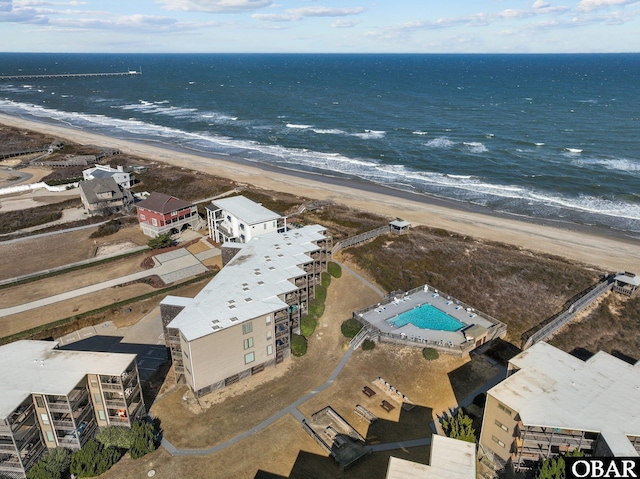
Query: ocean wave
{"points": [[298, 126], [370, 134], [328, 131], [475, 147], [418, 132], [399, 176], [440, 142], [618, 164]]}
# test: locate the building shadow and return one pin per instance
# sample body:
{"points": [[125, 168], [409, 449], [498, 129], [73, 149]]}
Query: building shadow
{"points": [[468, 379], [411, 425], [152, 359]]}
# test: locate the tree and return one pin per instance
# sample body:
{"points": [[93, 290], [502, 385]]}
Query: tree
{"points": [[368, 345], [53, 465], [553, 468], [94, 459], [459, 426], [160, 241], [116, 436], [143, 439]]}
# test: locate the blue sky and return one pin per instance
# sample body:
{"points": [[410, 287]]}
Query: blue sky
{"points": [[346, 26]]}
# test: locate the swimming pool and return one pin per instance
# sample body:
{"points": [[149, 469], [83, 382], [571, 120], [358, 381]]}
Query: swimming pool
{"points": [[427, 317]]}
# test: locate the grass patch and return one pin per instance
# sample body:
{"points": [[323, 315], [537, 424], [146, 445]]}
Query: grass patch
{"points": [[334, 269], [430, 354], [325, 279], [321, 293], [298, 345], [308, 325]]}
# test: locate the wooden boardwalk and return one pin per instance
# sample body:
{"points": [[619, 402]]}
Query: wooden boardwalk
{"points": [[71, 75]]}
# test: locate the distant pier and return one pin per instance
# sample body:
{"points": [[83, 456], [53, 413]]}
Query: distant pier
{"points": [[71, 75]]}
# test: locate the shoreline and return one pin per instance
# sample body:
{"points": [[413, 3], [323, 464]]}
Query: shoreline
{"points": [[607, 249]]}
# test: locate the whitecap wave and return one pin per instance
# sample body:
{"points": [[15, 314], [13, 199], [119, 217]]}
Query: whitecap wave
{"points": [[418, 132], [619, 164], [370, 134], [298, 126], [440, 142], [328, 131], [574, 151], [475, 147]]}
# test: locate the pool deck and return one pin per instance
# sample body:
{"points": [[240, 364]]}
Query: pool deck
{"points": [[378, 317]]}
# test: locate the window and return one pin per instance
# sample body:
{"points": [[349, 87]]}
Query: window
{"points": [[497, 441], [174, 213], [249, 358], [268, 319], [242, 226], [154, 222], [269, 349], [142, 217], [49, 436], [269, 335], [247, 328], [265, 226], [228, 218], [44, 417], [248, 343], [97, 398], [500, 425], [101, 415], [39, 401], [505, 409]]}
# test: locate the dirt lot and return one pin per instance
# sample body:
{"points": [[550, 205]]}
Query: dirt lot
{"points": [[33, 255], [283, 448]]}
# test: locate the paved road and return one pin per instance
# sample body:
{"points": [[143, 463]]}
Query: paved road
{"points": [[169, 269]]}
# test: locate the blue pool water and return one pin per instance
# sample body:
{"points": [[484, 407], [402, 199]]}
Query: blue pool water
{"points": [[427, 317]]}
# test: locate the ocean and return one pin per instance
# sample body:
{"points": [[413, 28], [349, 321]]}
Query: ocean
{"points": [[551, 137]]}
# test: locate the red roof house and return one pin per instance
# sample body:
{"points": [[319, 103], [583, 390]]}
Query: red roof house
{"points": [[160, 213]]}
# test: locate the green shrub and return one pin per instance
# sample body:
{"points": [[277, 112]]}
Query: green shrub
{"points": [[160, 241], [53, 465], [350, 328], [316, 308], [116, 436], [298, 345], [93, 459], [106, 229], [368, 345], [326, 279], [143, 439], [321, 292], [334, 269], [430, 354], [308, 325]]}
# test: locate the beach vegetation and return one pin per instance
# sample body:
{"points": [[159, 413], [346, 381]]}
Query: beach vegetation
{"points": [[321, 292], [430, 354], [298, 345], [458, 426], [554, 468], [315, 308], [334, 269], [350, 327], [325, 279], [518, 287], [109, 228], [368, 345], [11, 221]]}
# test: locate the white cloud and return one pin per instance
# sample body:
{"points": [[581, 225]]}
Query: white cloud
{"points": [[297, 14], [341, 23], [590, 5], [215, 6], [540, 4]]}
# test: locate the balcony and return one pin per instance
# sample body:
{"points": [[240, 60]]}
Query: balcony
{"points": [[59, 407], [63, 424], [112, 386], [7, 448], [115, 403]]}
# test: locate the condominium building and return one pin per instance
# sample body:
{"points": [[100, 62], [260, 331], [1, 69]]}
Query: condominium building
{"points": [[449, 458], [553, 402], [238, 219], [58, 398], [242, 321]]}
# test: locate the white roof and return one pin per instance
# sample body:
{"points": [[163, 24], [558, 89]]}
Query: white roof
{"points": [[249, 285], [246, 210], [623, 278], [450, 458], [36, 367], [554, 389]]}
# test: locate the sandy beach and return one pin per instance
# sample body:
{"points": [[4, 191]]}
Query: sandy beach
{"points": [[610, 253]]}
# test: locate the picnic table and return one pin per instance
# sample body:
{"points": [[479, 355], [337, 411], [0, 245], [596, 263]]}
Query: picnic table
{"points": [[386, 405], [368, 391]]}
